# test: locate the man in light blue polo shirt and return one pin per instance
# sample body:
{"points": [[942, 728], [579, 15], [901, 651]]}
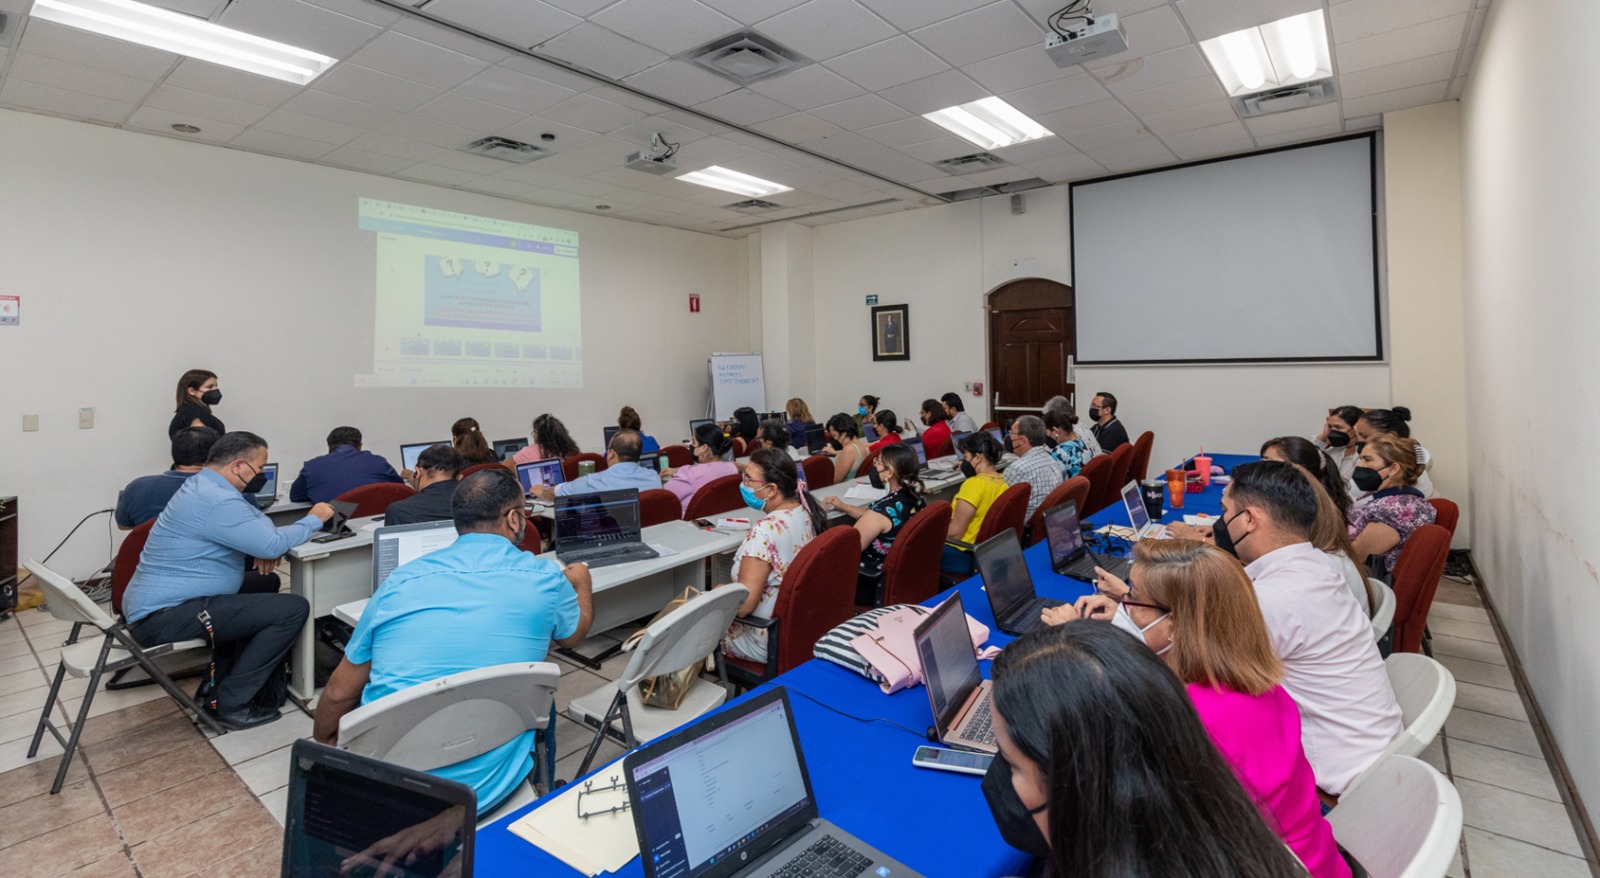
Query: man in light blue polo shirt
{"points": [[192, 572], [477, 603], [622, 471]]}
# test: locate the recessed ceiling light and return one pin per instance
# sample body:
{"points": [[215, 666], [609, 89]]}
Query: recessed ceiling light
{"points": [[183, 128], [1288, 51], [186, 35], [990, 123], [733, 181]]}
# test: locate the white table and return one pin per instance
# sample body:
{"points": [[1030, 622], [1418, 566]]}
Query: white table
{"points": [[285, 512]]}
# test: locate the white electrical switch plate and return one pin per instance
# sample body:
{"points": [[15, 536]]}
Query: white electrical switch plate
{"points": [[30, 423], [86, 419]]}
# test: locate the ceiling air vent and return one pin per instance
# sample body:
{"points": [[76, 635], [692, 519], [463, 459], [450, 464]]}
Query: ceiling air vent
{"points": [[966, 164], [754, 205], [746, 57], [505, 149], [1279, 100]]}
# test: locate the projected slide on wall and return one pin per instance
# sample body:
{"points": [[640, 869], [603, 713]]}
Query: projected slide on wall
{"points": [[471, 301]]}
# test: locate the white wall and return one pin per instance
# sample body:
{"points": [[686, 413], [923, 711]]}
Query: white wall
{"points": [[1531, 199], [138, 257]]}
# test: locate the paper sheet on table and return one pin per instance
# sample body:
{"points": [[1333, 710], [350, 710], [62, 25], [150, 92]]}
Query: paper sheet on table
{"points": [[1201, 520], [604, 843], [663, 551], [865, 492], [731, 524]]}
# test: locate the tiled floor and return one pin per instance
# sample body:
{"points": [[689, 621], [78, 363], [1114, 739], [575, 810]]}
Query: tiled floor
{"points": [[153, 797]]}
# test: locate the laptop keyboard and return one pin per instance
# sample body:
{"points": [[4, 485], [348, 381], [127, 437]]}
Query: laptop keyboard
{"points": [[979, 726], [827, 857]]}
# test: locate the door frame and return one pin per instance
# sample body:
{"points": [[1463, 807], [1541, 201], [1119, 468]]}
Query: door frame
{"points": [[1007, 297]]}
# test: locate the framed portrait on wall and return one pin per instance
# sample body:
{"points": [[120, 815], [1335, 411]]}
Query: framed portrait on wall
{"points": [[891, 339]]}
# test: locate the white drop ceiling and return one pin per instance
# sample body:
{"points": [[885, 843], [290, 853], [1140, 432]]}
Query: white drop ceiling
{"points": [[416, 81]]}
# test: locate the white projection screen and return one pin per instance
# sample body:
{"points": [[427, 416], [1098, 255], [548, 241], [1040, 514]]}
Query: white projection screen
{"points": [[470, 301], [1269, 257]]}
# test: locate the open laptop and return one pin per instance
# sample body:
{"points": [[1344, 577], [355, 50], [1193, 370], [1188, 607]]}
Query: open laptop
{"points": [[923, 470], [957, 691], [730, 796], [413, 450], [506, 448], [268, 494], [600, 529], [402, 544], [545, 472], [341, 805], [695, 424], [651, 460], [815, 441], [1009, 585], [1139, 517], [955, 442], [610, 432], [1069, 555], [336, 527]]}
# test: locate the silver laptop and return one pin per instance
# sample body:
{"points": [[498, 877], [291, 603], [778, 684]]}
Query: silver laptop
{"points": [[1069, 554], [957, 692], [1009, 585], [268, 494], [730, 796], [410, 451], [600, 529], [545, 472], [1139, 517]]}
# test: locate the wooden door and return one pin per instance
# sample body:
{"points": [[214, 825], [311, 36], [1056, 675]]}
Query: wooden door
{"points": [[1030, 345]]}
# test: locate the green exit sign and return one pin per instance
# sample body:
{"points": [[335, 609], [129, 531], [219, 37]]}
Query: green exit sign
{"points": [[872, 300]]}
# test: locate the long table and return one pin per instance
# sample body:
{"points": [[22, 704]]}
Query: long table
{"points": [[858, 744]]}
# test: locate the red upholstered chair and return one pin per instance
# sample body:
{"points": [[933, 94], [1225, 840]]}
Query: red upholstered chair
{"points": [[716, 497], [480, 467], [1007, 511], [817, 593], [127, 562], [569, 464], [658, 506], [943, 449], [911, 569], [530, 540], [677, 455], [375, 498], [818, 470], [1121, 465], [1098, 472], [867, 462], [1139, 466], [1075, 489], [738, 447], [1446, 514], [1416, 579]]}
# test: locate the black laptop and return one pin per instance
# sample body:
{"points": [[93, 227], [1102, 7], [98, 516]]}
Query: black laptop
{"points": [[1069, 554], [1009, 585], [600, 529], [505, 449], [268, 494], [730, 796], [815, 441], [343, 808], [337, 527]]}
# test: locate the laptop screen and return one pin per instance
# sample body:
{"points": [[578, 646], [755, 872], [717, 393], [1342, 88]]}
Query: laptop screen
{"points": [[922, 453], [270, 489], [1062, 532], [955, 441], [815, 441], [1133, 501], [948, 665], [341, 806], [545, 472], [651, 460], [999, 436], [597, 519], [410, 452], [393, 546], [1005, 573], [693, 425], [610, 431], [505, 448], [706, 800]]}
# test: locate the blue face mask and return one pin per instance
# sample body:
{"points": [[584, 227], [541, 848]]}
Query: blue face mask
{"points": [[861, 410], [750, 498]]}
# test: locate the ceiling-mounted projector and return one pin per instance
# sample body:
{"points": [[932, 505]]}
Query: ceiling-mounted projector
{"points": [[655, 159], [1097, 37]]}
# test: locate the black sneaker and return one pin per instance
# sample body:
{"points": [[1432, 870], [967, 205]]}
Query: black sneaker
{"points": [[245, 717]]}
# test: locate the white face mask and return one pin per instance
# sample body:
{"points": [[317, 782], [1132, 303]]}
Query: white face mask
{"points": [[1124, 620]]}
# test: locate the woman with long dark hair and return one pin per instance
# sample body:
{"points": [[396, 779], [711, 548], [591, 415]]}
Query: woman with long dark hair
{"points": [[771, 484], [550, 440], [845, 446], [1338, 437], [713, 459], [467, 437], [197, 393], [880, 521]]}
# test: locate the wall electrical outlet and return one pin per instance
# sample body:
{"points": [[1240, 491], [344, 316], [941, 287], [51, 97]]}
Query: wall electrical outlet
{"points": [[30, 423], [86, 419]]}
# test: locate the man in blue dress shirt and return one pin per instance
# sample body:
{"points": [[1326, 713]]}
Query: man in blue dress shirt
{"points": [[146, 496], [192, 573], [622, 471], [479, 602], [345, 466]]}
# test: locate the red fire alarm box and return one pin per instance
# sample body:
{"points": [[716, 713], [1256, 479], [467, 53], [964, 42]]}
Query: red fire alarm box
{"points": [[694, 303]]}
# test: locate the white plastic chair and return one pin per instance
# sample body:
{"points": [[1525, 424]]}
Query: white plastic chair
{"points": [[1383, 616], [116, 651], [454, 718], [1426, 691], [677, 640], [1402, 821]]}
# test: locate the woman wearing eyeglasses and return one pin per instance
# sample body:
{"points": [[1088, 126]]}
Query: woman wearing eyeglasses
{"points": [[771, 484], [879, 522], [713, 459], [1193, 605]]}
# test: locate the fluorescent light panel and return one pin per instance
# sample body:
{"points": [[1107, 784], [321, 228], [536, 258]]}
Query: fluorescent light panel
{"points": [[732, 181], [1288, 51], [186, 35], [990, 123]]}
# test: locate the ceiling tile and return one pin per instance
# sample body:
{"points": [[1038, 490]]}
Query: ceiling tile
{"points": [[592, 114], [329, 106], [550, 71], [1016, 70], [441, 176], [456, 41], [1301, 136], [1229, 137], [60, 102], [363, 160], [1041, 9], [464, 112], [592, 47], [681, 82], [796, 127], [1360, 123], [1035, 150], [428, 131], [1161, 99], [752, 11], [300, 24], [887, 64], [102, 53], [893, 164], [842, 146], [768, 166], [904, 132], [1190, 118], [533, 129], [1421, 40], [283, 145], [743, 107], [1405, 74], [76, 77], [982, 33], [1401, 99], [1135, 156], [497, 186], [940, 148], [1153, 71], [1364, 18], [361, 84], [308, 127], [1065, 168], [908, 15], [408, 58], [1106, 136], [466, 161], [1064, 123], [1213, 18], [161, 121], [618, 95], [998, 176], [1294, 120], [507, 88], [671, 129], [823, 29], [581, 8], [211, 79], [1072, 91], [395, 146], [670, 26], [182, 101], [524, 23], [934, 92], [808, 88], [861, 112], [1150, 33], [361, 10], [196, 8]]}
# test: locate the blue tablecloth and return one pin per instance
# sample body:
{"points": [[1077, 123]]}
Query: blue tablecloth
{"points": [[934, 822]]}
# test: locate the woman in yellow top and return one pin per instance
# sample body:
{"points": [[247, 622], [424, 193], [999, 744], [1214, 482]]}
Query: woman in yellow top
{"points": [[980, 452]]}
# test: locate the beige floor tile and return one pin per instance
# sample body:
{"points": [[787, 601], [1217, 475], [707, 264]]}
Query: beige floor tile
{"points": [[35, 779], [160, 736], [1489, 653], [1515, 815], [23, 679], [261, 861], [228, 833], [128, 720], [14, 754], [1484, 674], [1494, 731], [1452, 592], [26, 701], [42, 813], [1496, 856], [265, 773], [182, 765], [1458, 611], [189, 804], [15, 650], [1513, 771], [242, 746], [1467, 630], [1434, 755], [277, 804], [18, 725], [116, 865], [576, 684], [109, 702], [62, 850], [1486, 699], [1456, 869]]}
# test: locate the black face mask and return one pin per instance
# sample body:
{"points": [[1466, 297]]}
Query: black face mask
{"points": [[1224, 539], [1010, 448], [1360, 447], [1367, 478], [967, 469], [211, 397], [1011, 817], [1338, 438], [255, 484], [836, 445], [874, 479], [1094, 414]]}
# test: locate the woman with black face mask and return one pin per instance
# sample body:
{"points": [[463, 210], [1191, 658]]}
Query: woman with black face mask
{"points": [[197, 393], [878, 523], [1338, 437], [980, 454], [1388, 472]]}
